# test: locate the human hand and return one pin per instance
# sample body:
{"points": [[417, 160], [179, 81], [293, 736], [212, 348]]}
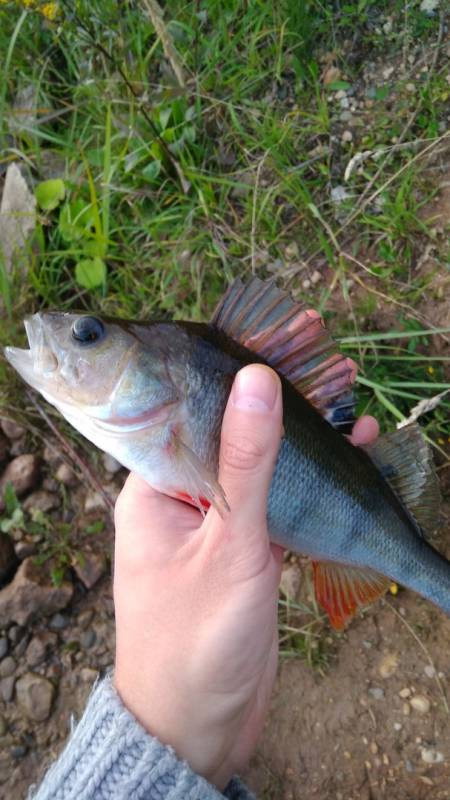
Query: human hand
{"points": [[196, 600]]}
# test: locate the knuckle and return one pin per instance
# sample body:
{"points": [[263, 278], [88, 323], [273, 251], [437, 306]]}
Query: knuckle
{"points": [[242, 453]]}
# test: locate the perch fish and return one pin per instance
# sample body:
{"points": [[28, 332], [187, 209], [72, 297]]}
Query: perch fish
{"points": [[153, 396]]}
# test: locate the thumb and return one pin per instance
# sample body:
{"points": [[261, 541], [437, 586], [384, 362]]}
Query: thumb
{"points": [[251, 435]]}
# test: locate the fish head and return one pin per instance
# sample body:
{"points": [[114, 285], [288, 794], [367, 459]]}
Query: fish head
{"points": [[99, 373]]}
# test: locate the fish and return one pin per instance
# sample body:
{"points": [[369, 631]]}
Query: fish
{"points": [[153, 394]]}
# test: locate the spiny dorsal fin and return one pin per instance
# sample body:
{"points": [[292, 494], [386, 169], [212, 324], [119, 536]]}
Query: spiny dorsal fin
{"points": [[406, 462], [342, 590], [294, 341]]}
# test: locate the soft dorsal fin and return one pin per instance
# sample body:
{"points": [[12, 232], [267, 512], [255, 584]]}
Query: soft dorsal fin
{"points": [[294, 341], [406, 462], [342, 590]]}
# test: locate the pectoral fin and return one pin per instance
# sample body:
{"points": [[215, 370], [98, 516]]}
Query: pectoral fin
{"points": [[197, 483], [342, 590]]}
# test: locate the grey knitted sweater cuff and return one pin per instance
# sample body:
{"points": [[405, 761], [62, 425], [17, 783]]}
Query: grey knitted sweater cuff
{"points": [[110, 756]]}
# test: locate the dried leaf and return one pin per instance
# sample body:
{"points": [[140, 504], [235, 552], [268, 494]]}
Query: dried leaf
{"points": [[17, 218], [423, 407]]}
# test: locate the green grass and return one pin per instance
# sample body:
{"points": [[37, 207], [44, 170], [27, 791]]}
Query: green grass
{"points": [[172, 191]]}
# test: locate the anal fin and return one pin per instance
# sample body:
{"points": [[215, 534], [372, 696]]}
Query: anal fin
{"points": [[341, 590]]}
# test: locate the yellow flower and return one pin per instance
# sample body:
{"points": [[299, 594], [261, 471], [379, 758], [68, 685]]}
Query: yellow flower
{"points": [[441, 440], [49, 11], [430, 370], [28, 3], [393, 589]]}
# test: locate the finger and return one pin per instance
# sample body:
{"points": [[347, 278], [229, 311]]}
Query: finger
{"points": [[365, 431], [251, 435]]}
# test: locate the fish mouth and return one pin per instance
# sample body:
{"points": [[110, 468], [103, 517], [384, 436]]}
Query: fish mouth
{"points": [[40, 360]]}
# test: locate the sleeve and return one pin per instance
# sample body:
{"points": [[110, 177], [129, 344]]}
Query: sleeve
{"points": [[110, 756]]}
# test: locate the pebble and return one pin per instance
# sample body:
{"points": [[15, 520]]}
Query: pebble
{"points": [[397, 726], [35, 695], [65, 474], [15, 634], [431, 756], [410, 87], [420, 703], [376, 692], [19, 751], [291, 251], [347, 136], [24, 550], [316, 277], [12, 429], [94, 502], [429, 671], [88, 639], [340, 94], [23, 473], [58, 622], [88, 675], [85, 618], [7, 688], [404, 693], [111, 464], [38, 647], [388, 665], [406, 708], [21, 647], [91, 569], [4, 645], [306, 284], [41, 500], [3, 725], [7, 667]]}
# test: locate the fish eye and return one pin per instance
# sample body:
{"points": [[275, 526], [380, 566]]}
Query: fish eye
{"points": [[87, 330]]}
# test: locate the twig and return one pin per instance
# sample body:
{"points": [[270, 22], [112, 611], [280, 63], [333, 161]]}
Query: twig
{"points": [[155, 13], [72, 453]]}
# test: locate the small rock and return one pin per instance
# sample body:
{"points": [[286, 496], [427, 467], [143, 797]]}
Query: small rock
{"points": [[397, 726], [316, 277], [388, 665], [376, 692], [91, 569], [341, 94], [3, 725], [24, 550], [4, 646], [35, 694], [39, 647], [419, 703], [52, 454], [7, 667], [41, 501], [15, 634], [58, 622], [410, 87], [429, 671], [22, 472], [85, 618], [12, 429], [344, 102], [31, 593], [347, 136], [8, 558], [290, 581], [406, 708], [94, 502], [88, 639], [306, 284], [431, 756], [7, 688], [111, 464], [404, 693], [88, 675], [18, 751], [346, 116], [66, 475], [291, 251], [21, 647]]}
